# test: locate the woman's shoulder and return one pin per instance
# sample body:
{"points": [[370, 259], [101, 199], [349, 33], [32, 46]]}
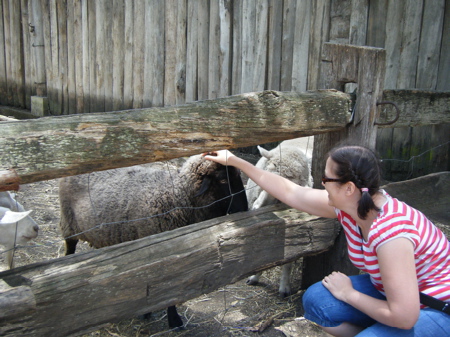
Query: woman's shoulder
{"points": [[393, 208]]}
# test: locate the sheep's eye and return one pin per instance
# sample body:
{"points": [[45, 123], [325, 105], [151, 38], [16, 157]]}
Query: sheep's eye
{"points": [[223, 181]]}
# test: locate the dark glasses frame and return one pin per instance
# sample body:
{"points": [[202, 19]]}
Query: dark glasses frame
{"points": [[325, 180]]}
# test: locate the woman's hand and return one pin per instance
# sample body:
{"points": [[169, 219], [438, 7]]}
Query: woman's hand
{"points": [[221, 157], [339, 285]]}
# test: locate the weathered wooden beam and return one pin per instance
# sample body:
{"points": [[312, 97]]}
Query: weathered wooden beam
{"points": [[417, 108], [9, 181], [82, 291], [15, 301], [52, 147], [16, 113]]}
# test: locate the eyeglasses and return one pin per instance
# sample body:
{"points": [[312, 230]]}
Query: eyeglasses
{"points": [[326, 180]]}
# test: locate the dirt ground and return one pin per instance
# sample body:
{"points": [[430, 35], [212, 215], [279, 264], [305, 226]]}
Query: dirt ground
{"points": [[235, 310]]}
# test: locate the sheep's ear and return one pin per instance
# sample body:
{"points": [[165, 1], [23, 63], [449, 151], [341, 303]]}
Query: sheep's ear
{"points": [[264, 152], [12, 217]]}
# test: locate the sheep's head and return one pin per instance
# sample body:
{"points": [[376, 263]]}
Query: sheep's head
{"points": [[218, 183], [287, 160]]}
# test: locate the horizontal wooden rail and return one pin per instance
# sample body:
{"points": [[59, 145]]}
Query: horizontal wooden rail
{"points": [[82, 291], [417, 108], [54, 147], [15, 302]]}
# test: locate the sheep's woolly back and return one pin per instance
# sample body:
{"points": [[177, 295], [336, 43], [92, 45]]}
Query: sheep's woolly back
{"points": [[138, 201], [288, 159]]}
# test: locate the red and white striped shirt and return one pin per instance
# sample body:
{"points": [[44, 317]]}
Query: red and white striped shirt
{"points": [[396, 219]]}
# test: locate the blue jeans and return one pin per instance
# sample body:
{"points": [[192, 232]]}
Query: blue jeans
{"points": [[324, 309]]}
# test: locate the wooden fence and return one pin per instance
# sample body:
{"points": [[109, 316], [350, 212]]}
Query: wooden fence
{"points": [[95, 56], [52, 294]]}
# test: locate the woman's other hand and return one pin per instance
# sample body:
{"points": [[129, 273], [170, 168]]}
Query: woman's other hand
{"points": [[339, 285]]}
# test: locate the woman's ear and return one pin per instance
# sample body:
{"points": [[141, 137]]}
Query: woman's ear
{"points": [[350, 188]]}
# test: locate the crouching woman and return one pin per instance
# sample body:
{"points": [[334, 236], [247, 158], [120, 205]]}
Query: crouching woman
{"points": [[399, 250]]}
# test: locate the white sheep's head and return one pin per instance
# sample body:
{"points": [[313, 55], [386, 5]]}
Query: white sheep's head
{"points": [[288, 159], [16, 227]]}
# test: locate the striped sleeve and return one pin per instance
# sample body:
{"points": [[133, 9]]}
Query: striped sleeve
{"points": [[399, 221], [398, 228]]}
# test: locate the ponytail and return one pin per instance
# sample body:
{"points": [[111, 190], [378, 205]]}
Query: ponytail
{"points": [[365, 204]]}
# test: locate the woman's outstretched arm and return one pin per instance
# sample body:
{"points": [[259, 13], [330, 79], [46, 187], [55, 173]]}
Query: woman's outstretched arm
{"points": [[306, 199]]}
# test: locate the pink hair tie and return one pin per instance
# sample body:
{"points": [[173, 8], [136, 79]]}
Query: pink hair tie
{"points": [[364, 189]]}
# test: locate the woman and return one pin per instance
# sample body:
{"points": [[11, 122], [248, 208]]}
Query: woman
{"points": [[398, 248]]}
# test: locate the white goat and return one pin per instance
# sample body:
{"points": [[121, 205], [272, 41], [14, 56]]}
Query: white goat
{"points": [[16, 226], [289, 160]]}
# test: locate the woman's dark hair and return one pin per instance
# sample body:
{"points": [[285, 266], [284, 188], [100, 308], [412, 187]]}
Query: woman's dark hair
{"points": [[361, 166]]}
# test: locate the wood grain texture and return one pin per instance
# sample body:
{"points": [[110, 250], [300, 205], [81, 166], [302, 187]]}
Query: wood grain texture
{"points": [[51, 147]]}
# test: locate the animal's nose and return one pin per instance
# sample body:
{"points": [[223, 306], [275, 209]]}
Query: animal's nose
{"points": [[36, 228]]}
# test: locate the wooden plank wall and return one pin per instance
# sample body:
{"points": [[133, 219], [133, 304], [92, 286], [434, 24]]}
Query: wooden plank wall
{"points": [[121, 54], [417, 42], [107, 55]]}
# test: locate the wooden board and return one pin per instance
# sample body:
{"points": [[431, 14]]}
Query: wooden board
{"points": [[274, 40], [117, 63], [3, 60], [301, 46], [138, 57], [444, 59], [15, 301], [81, 291], [49, 148], [320, 22], [175, 50], [417, 108]]}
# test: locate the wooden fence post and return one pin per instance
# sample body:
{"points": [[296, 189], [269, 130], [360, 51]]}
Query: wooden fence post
{"points": [[343, 64]]}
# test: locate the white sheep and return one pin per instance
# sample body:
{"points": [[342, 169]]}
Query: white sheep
{"points": [[289, 160], [16, 226], [138, 201]]}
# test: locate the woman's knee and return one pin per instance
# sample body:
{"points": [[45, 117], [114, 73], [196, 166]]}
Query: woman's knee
{"points": [[314, 295], [321, 306], [324, 309]]}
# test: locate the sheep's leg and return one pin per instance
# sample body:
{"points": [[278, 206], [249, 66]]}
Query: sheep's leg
{"points": [[285, 287], [71, 245], [173, 317], [254, 279], [9, 259]]}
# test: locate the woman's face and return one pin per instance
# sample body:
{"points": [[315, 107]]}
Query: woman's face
{"points": [[334, 189]]}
